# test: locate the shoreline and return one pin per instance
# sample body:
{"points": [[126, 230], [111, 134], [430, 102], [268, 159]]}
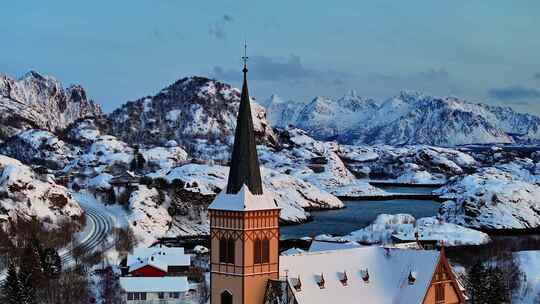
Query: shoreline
{"points": [[395, 196]]}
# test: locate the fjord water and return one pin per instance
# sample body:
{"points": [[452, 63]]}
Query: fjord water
{"points": [[359, 214]]}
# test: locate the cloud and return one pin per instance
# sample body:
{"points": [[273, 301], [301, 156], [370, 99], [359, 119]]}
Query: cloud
{"points": [[431, 74], [271, 69], [514, 92], [217, 29]]}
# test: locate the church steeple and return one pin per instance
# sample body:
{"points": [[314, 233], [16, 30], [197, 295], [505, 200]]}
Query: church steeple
{"points": [[244, 167]]}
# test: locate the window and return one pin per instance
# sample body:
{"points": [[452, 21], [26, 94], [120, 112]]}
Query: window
{"points": [[130, 296], [261, 251], [439, 293], [161, 295], [223, 250], [257, 248], [226, 250], [230, 250], [174, 295], [143, 295], [226, 297], [265, 251], [136, 296]]}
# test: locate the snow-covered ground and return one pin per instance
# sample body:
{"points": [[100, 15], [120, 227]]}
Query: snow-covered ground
{"points": [[26, 195], [405, 226], [491, 199], [530, 264], [291, 194]]}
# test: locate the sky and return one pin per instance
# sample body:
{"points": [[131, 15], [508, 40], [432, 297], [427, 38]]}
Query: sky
{"points": [[482, 51]]}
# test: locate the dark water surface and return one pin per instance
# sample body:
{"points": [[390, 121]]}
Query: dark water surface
{"points": [[358, 214]]}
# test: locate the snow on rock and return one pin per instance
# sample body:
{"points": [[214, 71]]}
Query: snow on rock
{"points": [[407, 164], [39, 101], [316, 163], [407, 118], [39, 147], [100, 181], [197, 112], [491, 199], [405, 226], [25, 195], [291, 194], [148, 217], [165, 157]]}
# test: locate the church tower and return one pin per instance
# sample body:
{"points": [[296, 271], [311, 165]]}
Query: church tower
{"points": [[244, 231]]}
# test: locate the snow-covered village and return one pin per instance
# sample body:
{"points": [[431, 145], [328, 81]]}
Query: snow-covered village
{"points": [[165, 152]]}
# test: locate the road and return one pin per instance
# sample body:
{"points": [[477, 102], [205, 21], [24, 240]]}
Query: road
{"points": [[97, 232]]}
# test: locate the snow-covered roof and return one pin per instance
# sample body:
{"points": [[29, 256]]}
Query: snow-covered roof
{"points": [[154, 284], [292, 250], [388, 271], [148, 262], [244, 200], [162, 257], [326, 245]]}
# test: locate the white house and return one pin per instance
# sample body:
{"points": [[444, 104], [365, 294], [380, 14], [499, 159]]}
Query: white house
{"points": [[158, 261], [150, 290]]}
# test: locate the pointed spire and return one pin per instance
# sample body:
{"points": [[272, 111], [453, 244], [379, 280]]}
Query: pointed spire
{"points": [[244, 168]]}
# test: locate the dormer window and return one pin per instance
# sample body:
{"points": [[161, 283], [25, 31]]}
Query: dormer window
{"points": [[320, 281], [412, 277], [343, 278], [365, 275]]}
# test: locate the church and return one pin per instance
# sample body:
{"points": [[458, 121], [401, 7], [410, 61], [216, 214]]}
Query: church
{"points": [[246, 267]]}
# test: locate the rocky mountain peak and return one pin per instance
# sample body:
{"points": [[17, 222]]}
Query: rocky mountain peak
{"points": [[198, 112], [40, 101]]}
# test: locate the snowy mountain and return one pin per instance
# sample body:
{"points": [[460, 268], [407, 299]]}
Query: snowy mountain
{"points": [[408, 118], [26, 194], [38, 101], [197, 112]]}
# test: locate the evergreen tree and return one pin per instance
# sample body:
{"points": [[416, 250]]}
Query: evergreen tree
{"points": [[30, 273], [138, 161], [28, 290], [11, 290], [498, 293], [110, 287], [475, 283], [51, 263]]}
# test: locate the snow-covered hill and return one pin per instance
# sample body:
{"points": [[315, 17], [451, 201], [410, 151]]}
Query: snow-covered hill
{"points": [[38, 101], [197, 112], [408, 118], [26, 195]]}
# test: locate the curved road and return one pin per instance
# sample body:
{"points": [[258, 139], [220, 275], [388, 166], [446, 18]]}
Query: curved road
{"points": [[99, 225]]}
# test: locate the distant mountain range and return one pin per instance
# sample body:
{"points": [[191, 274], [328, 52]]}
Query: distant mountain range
{"points": [[199, 113], [408, 118]]}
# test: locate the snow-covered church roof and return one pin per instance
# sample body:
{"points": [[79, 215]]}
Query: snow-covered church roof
{"points": [[244, 200], [370, 274]]}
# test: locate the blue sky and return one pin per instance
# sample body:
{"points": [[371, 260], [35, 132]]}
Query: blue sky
{"points": [[123, 50]]}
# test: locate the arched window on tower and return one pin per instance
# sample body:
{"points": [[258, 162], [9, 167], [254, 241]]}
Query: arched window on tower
{"points": [[226, 297]]}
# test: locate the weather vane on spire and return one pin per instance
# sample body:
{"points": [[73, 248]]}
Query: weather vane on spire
{"points": [[245, 58]]}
